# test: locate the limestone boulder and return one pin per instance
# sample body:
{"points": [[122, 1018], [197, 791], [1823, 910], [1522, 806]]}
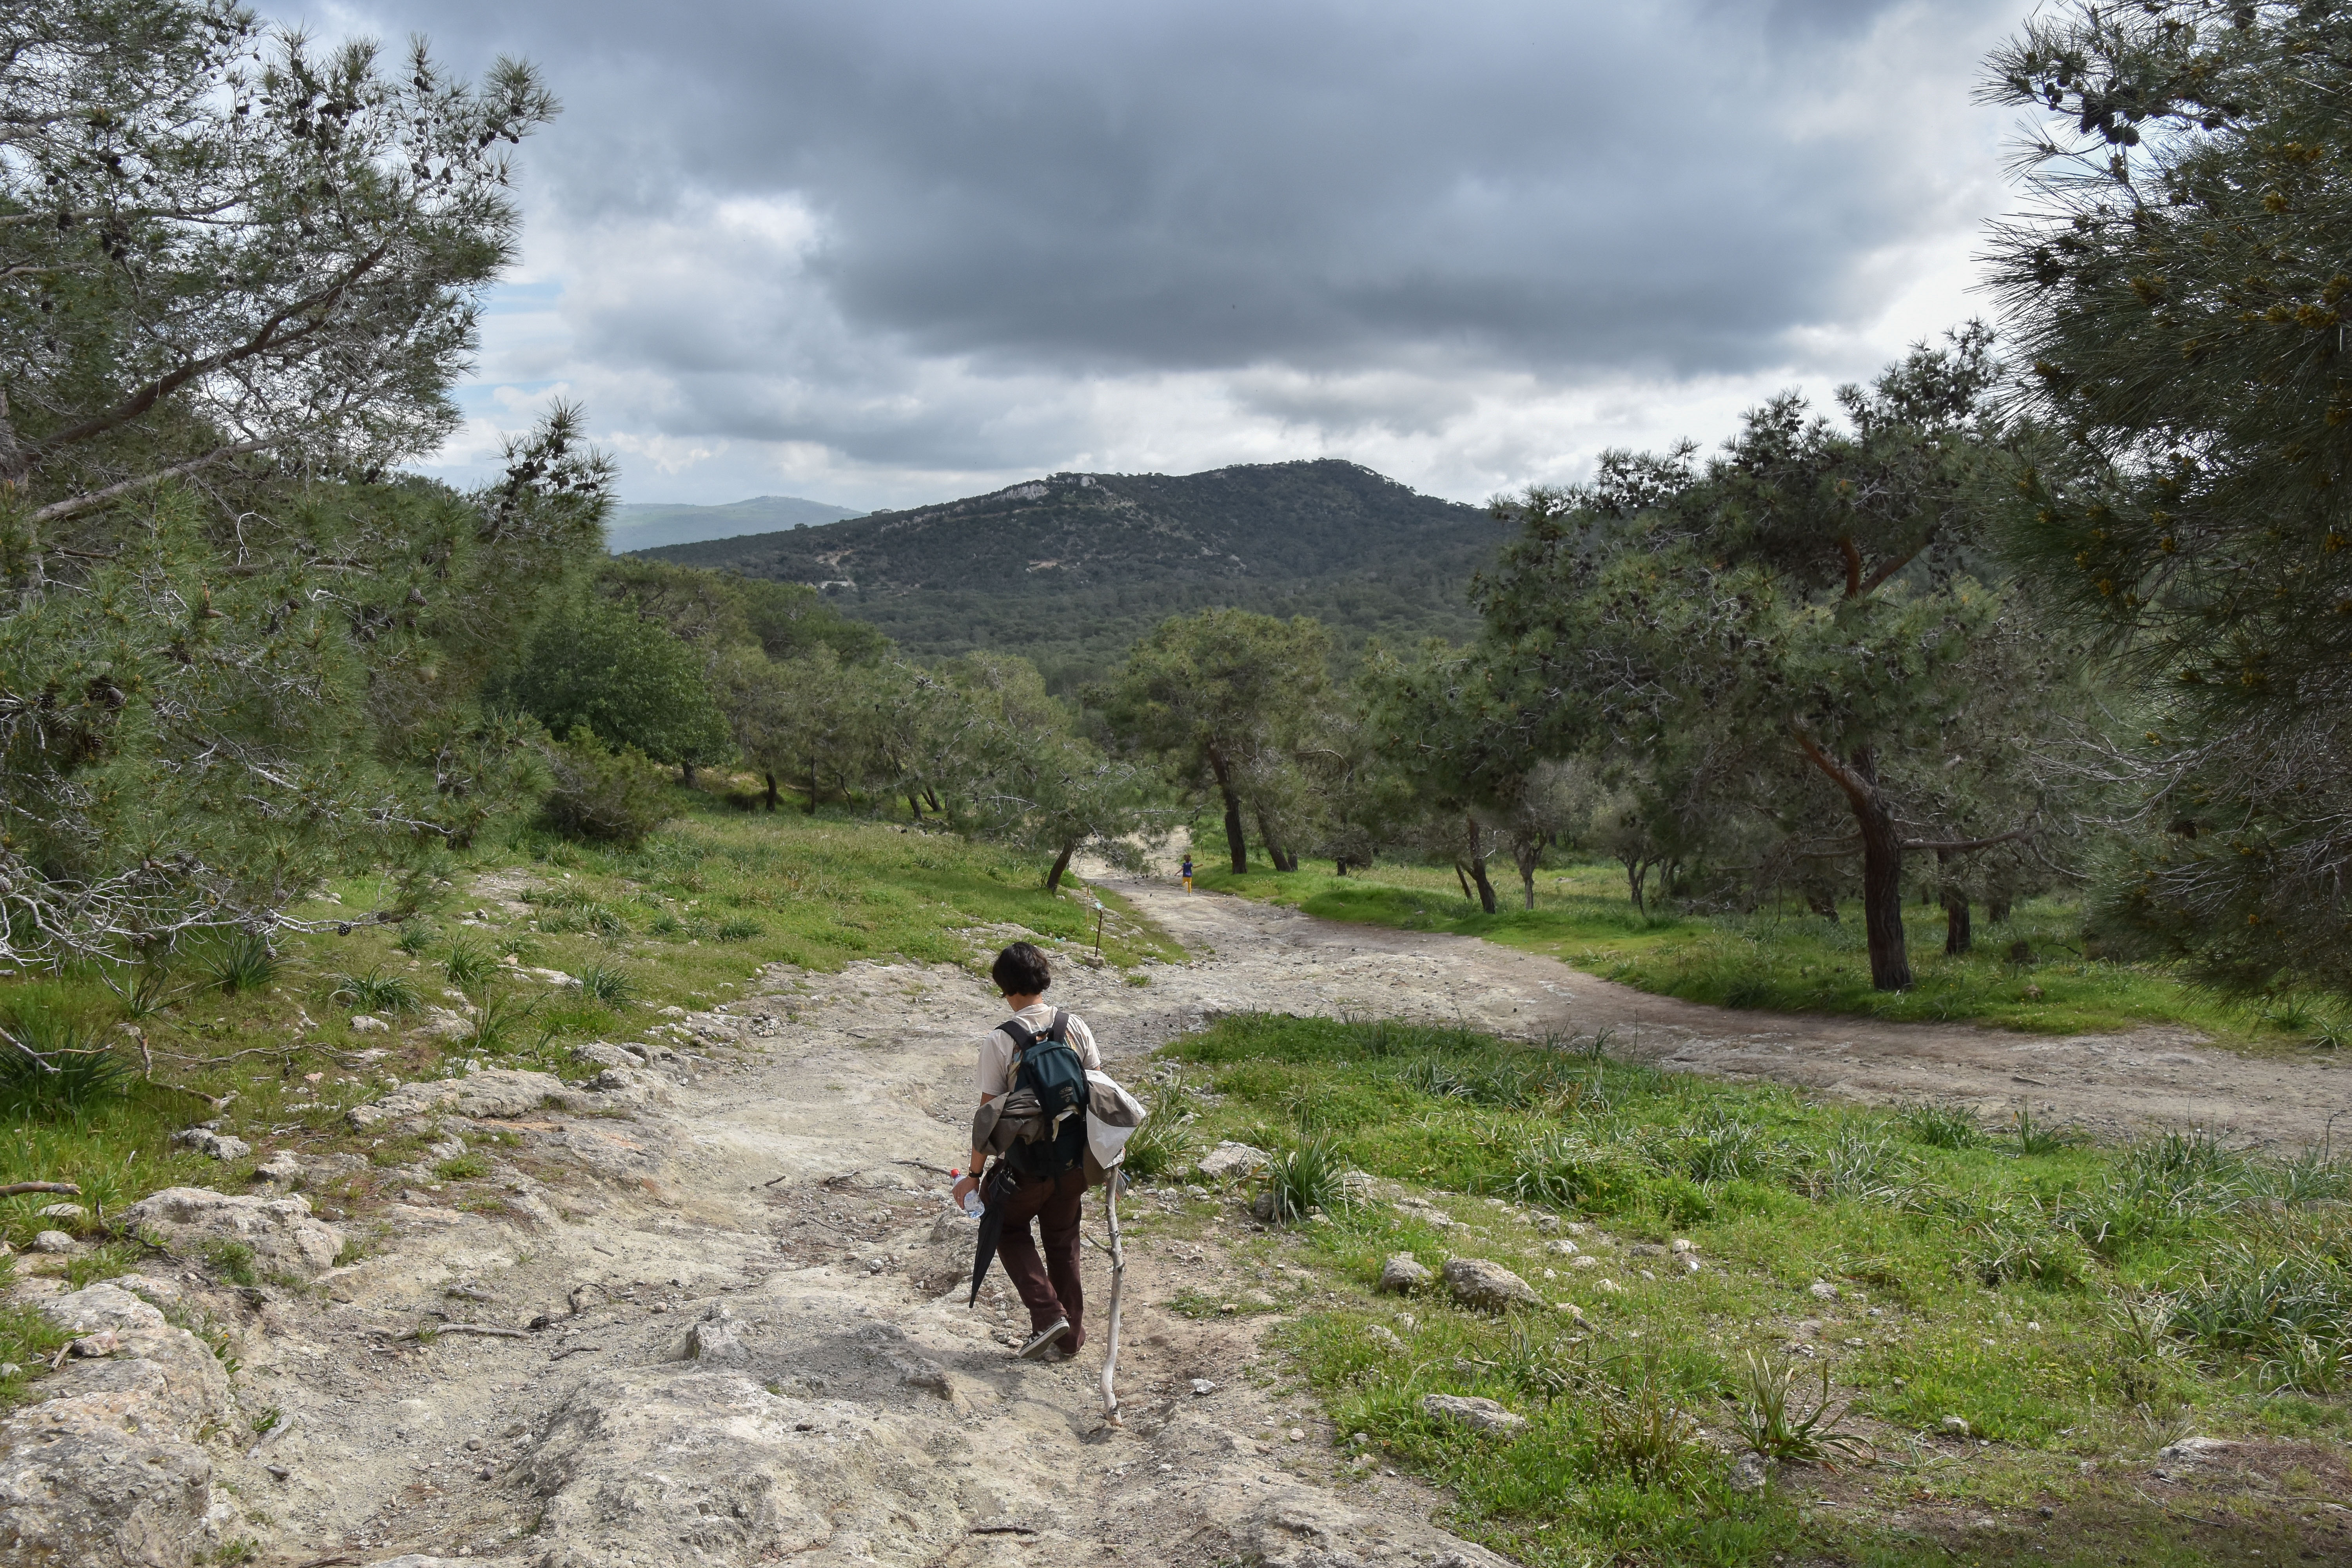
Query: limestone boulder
{"points": [[730, 1473], [108, 1472], [1402, 1272], [1487, 1286], [1477, 1414], [1229, 1161], [493, 1093], [285, 1238]]}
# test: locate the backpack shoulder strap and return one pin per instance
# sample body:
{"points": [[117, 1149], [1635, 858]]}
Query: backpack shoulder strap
{"points": [[1059, 1030], [1022, 1036]]}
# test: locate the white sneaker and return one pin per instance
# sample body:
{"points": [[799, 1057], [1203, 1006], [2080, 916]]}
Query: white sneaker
{"points": [[1043, 1338]]}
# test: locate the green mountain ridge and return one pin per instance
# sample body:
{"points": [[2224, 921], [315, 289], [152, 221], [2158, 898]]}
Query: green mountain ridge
{"points": [[1071, 568]]}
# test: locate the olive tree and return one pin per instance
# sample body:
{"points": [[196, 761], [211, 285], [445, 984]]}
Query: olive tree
{"points": [[1222, 697]]}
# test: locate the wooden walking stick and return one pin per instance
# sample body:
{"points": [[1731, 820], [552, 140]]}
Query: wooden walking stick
{"points": [[1111, 1184]]}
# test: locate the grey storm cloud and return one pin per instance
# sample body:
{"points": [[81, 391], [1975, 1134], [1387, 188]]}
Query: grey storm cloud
{"points": [[1059, 191]]}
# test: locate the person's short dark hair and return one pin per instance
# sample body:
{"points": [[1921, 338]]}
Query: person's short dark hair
{"points": [[1019, 971]]}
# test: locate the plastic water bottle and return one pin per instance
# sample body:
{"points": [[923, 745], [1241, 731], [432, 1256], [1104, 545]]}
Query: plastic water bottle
{"points": [[970, 1202]]}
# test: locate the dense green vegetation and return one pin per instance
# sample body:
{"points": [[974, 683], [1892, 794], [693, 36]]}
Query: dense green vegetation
{"points": [[2075, 1307], [1067, 571]]}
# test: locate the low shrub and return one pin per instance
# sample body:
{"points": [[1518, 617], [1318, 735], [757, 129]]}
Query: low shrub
{"points": [[600, 794], [54, 1062], [2000, 1249], [467, 963], [1641, 1431], [603, 983]]}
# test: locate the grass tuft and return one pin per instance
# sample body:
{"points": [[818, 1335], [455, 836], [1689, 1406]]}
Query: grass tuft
{"points": [[1941, 1126], [1769, 1420], [1306, 1179], [375, 992], [467, 963], [605, 983], [241, 961]]}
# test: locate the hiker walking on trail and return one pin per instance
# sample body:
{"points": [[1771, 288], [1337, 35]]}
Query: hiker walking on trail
{"points": [[1044, 1052], [1188, 873]]}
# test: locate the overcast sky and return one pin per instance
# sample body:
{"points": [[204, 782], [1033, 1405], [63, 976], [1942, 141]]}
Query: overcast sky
{"points": [[886, 253]]}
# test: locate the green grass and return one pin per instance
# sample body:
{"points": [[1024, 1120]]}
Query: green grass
{"points": [[2196, 1297], [690, 919], [1790, 960]]}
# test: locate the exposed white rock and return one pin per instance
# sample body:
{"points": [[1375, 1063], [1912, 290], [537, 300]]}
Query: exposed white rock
{"points": [[1229, 1160], [217, 1145], [1486, 1286], [1478, 1415], [493, 1093], [283, 1236], [108, 1473]]}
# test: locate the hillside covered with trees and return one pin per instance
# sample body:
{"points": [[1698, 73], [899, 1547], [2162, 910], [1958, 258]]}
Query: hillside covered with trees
{"points": [[1068, 570]]}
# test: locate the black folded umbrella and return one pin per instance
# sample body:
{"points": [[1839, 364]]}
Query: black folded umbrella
{"points": [[994, 1195]]}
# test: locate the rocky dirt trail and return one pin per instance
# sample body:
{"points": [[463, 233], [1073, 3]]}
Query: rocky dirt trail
{"points": [[2111, 1085], [721, 1296]]}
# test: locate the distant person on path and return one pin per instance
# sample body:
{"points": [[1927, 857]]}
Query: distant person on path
{"points": [[1188, 873], [1049, 1286]]}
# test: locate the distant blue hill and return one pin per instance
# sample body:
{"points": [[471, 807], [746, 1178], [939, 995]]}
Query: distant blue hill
{"points": [[649, 525]]}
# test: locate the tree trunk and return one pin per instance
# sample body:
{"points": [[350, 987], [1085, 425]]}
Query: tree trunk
{"points": [[1882, 859], [1061, 864], [772, 796], [915, 805], [1997, 911], [1464, 877], [1341, 866], [686, 775], [1487, 900], [1882, 881], [1956, 935], [811, 799], [1236, 845], [1823, 900], [1637, 877], [1283, 861], [931, 795], [1527, 853]]}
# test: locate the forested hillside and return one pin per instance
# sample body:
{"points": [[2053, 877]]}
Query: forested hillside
{"points": [[1069, 570]]}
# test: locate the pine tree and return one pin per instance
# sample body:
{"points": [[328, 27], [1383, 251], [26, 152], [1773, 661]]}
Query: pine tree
{"points": [[2182, 288]]}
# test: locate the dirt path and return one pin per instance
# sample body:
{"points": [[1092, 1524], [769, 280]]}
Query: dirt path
{"points": [[753, 1342], [742, 1338], [2114, 1084]]}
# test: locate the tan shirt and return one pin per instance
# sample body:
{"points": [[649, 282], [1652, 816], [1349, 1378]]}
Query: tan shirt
{"points": [[995, 1075]]}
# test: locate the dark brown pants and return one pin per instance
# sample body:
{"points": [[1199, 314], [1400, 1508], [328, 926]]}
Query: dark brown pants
{"points": [[1049, 1286]]}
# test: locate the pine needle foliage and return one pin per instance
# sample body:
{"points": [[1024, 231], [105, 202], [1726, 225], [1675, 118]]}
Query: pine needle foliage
{"points": [[2179, 289]]}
